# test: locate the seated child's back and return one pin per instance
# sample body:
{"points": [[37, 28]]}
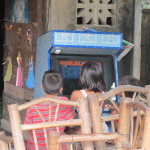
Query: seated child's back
{"points": [[52, 84]]}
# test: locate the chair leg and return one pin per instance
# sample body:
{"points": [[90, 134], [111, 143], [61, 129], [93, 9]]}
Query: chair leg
{"points": [[146, 134], [3, 145], [96, 120], [53, 141], [124, 124]]}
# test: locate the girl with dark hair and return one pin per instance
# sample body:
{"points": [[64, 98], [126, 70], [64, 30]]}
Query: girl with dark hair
{"points": [[92, 82]]}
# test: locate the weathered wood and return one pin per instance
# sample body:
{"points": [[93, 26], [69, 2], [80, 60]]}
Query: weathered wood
{"points": [[123, 88], [96, 120], [35, 140], [53, 141], [47, 99], [148, 95], [86, 124], [40, 16], [137, 105], [116, 117], [146, 133], [16, 127], [52, 124], [137, 39], [124, 124], [88, 137]]}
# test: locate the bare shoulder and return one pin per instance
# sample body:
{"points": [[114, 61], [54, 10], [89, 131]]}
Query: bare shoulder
{"points": [[76, 95]]}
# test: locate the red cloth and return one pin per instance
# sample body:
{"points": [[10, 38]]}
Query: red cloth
{"points": [[64, 113]]}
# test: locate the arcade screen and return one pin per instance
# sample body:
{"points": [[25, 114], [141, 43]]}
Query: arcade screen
{"points": [[70, 71]]}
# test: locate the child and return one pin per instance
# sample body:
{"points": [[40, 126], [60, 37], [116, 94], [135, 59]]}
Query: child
{"points": [[52, 84], [129, 80], [126, 80], [92, 82]]}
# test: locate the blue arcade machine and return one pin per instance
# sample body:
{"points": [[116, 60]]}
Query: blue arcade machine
{"points": [[67, 51]]}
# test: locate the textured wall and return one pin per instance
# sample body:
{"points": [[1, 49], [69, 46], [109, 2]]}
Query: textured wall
{"points": [[145, 46]]}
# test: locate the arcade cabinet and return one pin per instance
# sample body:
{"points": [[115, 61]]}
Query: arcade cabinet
{"points": [[67, 51]]}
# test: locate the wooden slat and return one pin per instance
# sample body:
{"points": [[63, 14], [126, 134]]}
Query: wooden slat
{"points": [[35, 139], [39, 113], [134, 95], [140, 133], [46, 99], [96, 120], [123, 88], [86, 122], [113, 126], [50, 112], [16, 126], [55, 117], [114, 104], [131, 128], [88, 137], [53, 124], [136, 129]]}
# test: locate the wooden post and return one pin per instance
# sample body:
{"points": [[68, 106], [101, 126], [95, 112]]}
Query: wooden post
{"points": [[40, 16], [137, 39], [124, 124], [148, 95], [146, 133], [3, 145], [96, 120], [53, 141], [86, 124], [16, 127]]}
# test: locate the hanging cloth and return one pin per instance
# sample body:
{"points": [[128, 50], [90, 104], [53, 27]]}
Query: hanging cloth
{"points": [[30, 79]]}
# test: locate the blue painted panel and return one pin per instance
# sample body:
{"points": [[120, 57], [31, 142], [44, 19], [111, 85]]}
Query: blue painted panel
{"points": [[43, 46], [103, 40]]}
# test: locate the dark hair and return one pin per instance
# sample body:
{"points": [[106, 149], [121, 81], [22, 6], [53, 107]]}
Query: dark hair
{"points": [[129, 80], [91, 77], [52, 82]]}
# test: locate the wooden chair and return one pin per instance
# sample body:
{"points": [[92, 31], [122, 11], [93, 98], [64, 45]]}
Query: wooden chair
{"points": [[18, 127], [138, 140], [122, 115], [122, 138], [6, 142]]}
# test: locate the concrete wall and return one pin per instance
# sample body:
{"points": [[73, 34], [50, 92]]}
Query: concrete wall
{"points": [[145, 46], [61, 15]]}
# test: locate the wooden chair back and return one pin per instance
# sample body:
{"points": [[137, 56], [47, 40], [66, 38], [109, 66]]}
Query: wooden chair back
{"points": [[137, 92], [135, 119], [134, 131], [138, 140], [90, 109], [18, 127]]}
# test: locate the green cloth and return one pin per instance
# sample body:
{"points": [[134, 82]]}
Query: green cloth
{"points": [[9, 69]]}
